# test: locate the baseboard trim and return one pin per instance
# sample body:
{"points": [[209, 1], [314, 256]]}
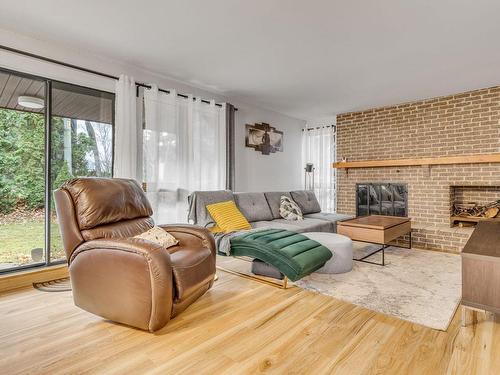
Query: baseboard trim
{"points": [[25, 278]]}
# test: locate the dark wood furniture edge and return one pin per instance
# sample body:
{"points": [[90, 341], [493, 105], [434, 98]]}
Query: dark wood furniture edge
{"points": [[490, 258], [484, 240]]}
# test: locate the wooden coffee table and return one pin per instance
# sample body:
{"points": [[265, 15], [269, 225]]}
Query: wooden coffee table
{"points": [[376, 229]]}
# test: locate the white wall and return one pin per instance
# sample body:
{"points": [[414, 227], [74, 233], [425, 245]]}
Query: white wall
{"points": [[277, 171], [254, 171]]}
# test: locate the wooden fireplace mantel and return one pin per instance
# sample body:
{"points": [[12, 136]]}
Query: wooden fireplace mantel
{"points": [[442, 160]]}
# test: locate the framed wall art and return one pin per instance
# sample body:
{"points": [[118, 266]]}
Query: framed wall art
{"points": [[264, 138]]}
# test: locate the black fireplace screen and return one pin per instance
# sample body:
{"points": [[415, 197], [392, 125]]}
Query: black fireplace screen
{"points": [[381, 199]]}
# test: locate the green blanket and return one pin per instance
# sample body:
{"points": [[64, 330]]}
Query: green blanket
{"points": [[293, 254]]}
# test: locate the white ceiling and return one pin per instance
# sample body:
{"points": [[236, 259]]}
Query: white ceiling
{"points": [[303, 58]]}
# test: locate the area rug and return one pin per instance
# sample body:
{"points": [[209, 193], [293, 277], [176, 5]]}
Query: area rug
{"points": [[419, 286]]}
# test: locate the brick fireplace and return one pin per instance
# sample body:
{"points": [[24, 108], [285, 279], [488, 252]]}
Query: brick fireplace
{"points": [[462, 124]]}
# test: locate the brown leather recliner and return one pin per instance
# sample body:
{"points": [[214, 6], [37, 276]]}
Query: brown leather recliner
{"points": [[129, 280]]}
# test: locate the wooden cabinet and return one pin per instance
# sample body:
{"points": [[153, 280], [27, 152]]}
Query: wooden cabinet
{"points": [[481, 268]]}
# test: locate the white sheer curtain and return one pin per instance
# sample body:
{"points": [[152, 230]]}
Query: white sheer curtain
{"points": [[319, 148], [125, 160], [183, 150]]}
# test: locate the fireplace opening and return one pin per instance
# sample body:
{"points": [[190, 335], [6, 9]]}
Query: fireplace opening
{"points": [[471, 204], [382, 199]]}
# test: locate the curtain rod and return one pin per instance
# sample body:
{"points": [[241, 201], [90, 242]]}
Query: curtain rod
{"points": [[139, 84], [319, 127], [95, 72]]}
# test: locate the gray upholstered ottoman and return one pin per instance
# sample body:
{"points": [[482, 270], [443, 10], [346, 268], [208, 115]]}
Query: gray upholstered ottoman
{"points": [[341, 248]]}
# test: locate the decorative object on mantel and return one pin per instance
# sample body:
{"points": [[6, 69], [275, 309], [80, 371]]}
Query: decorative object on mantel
{"points": [[309, 176], [264, 138]]}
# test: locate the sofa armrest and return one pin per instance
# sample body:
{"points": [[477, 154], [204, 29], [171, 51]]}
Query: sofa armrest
{"points": [[127, 280], [195, 234]]}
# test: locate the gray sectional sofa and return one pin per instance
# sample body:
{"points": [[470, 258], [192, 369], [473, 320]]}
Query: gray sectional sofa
{"points": [[262, 210]]}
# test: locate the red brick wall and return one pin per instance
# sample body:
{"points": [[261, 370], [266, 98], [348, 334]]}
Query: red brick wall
{"points": [[462, 124]]}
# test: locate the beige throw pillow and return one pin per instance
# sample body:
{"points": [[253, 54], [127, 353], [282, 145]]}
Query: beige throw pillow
{"points": [[289, 210], [159, 236]]}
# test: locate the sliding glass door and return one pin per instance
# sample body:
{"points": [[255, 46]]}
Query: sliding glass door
{"points": [[81, 142], [22, 166], [76, 142]]}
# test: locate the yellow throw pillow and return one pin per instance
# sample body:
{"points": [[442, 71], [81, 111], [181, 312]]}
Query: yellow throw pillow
{"points": [[215, 229], [159, 236], [227, 216]]}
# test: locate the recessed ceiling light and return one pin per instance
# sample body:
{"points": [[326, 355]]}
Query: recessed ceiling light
{"points": [[31, 102]]}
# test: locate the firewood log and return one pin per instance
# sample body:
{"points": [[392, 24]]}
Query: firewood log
{"points": [[491, 212]]}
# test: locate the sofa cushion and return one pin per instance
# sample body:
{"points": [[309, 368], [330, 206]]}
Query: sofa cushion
{"points": [[331, 217], [311, 225], [253, 206], [306, 199], [299, 226], [274, 224], [274, 199]]}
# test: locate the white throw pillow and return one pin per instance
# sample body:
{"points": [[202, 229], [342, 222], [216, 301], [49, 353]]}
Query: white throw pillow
{"points": [[289, 209], [159, 236]]}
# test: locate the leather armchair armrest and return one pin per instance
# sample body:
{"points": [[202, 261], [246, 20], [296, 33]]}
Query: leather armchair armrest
{"points": [[192, 232], [139, 246], [128, 280]]}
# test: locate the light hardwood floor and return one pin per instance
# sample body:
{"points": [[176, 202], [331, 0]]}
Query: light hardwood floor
{"points": [[239, 327]]}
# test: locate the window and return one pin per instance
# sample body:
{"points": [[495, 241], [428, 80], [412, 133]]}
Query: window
{"points": [[81, 142], [319, 149], [184, 150], [22, 166], [78, 141]]}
